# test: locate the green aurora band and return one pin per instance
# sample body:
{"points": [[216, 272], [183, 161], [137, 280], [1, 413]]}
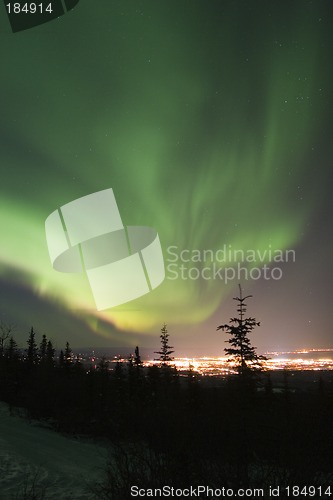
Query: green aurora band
{"points": [[201, 116]]}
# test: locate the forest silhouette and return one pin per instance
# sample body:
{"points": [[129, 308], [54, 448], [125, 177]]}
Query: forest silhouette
{"points": [[165, 427]]}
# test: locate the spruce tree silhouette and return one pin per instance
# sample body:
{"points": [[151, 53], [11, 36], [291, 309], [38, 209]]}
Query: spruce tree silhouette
{"points": [[166, 349], [245, 356], [137, 358], [32, 351]]}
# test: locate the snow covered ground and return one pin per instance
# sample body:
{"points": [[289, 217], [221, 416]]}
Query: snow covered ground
{"points": [[60, 466]]}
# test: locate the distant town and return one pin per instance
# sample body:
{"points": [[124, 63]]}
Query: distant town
{"points": [[299, 360]]}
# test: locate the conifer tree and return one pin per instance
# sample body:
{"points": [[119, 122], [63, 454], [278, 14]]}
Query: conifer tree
{"points": [[50, 353], [12, 352], [32, 351], [134, 372], [137, 358], [241, 350], [166, 350], [43, 348], [68, 355]]}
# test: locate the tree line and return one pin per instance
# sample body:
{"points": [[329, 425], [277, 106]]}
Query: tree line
{"points": [[165, 427]]}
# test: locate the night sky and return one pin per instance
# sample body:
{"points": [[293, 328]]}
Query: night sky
{"points": [[212, 122]]}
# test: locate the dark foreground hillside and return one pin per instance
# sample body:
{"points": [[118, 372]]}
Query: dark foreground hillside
{"points": [[163, 429]]}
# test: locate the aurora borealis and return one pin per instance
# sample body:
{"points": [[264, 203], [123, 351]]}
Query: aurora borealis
{"points": [[211, 121]]}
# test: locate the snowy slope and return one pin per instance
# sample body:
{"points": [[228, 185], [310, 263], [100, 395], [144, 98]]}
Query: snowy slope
{"points": [[60, 465]]}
